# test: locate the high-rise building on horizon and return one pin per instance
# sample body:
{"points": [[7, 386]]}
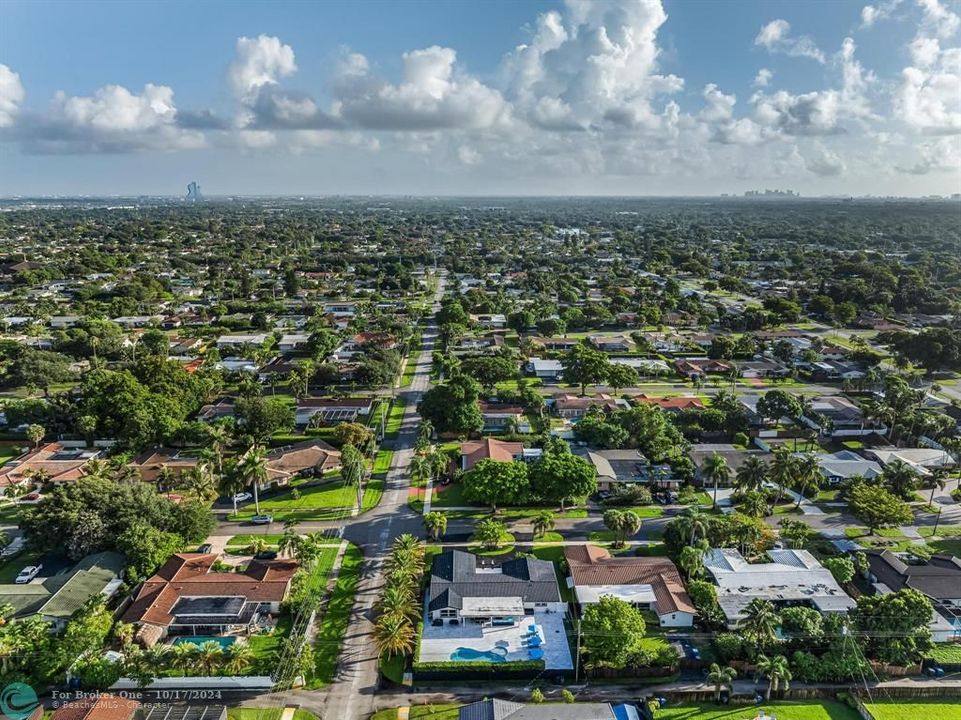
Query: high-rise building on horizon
{"points": [[193, 192]]}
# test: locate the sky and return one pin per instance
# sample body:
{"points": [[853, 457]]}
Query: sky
{"points": [[500, 97]]}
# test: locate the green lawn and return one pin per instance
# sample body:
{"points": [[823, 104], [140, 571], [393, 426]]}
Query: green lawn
{"points": [[253, 713], [505, 545], [325, 501], [263, 646], [549, 537], [395, 417], [393, 668], [336, 615], [434, 712], [910, 709], [948, 540], [451, 495], [245, 540], [12, 567], [9, 514], [382, 461], [827, 710], [946, 653]]}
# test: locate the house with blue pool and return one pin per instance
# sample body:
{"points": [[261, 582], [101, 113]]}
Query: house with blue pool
{"points": [[480, 610]]}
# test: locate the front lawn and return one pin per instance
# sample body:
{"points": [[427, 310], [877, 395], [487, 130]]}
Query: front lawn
{"points": [[12, 566], [395, 417], [274, 713], [336, 616], [827, 710], [911, 709], [325, 501], [946, 653]]}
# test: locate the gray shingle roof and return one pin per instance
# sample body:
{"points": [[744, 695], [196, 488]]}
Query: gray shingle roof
{"points": [[455, 575], [495, 709]]}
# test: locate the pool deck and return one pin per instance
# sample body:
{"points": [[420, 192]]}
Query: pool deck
{"points": [[438, 643]]}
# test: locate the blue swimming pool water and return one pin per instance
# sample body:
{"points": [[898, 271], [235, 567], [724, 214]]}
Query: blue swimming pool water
{"points": [[466, 654], [199, 640]]}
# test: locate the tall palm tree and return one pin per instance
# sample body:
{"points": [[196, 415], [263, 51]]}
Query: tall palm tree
{"points": [[751, 475], [289, 542], [97, 469], [900, 478], [425, 431], [715, 470], [420, 468], [754, 503], [399, 600], [809, 476], [253, 469], [543, 522], [776, 670], [782, 471], [489, 532], [394, 635], [720, 677], [691, 561], [760, 623], [696, 524], [184, 656], [198, 483], [220, 437], [936, 480], [353, 466]]}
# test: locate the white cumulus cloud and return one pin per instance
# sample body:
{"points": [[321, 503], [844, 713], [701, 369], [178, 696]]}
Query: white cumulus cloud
{"points": [[776, 37], [11, 95]]}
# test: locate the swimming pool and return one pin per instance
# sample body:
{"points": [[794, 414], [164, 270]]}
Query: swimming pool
{"points": [[466, 654], [198, 640]]}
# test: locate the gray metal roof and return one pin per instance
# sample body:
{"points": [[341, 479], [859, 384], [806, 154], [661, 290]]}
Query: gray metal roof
{"points": [[495, 709]]}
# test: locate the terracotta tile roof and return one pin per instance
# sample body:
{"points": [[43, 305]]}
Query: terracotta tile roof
{"points": [[152, 462], [45, 459], [103, 707], [289, 461], [671, 403], [190, 575], [566, 401], [489, 449], [592, 565]]}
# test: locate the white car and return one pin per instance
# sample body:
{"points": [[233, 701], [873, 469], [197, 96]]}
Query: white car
{"points": [[242, 497], [28, 574]]}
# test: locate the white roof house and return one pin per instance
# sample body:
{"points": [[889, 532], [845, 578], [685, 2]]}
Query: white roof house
{"points": [[251, 339], [846, 464], [792, 577]]}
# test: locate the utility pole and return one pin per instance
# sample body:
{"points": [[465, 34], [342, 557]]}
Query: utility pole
{"points": [[577, 661], [936, 521]]}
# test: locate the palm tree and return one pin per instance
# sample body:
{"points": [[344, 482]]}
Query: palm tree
{"points": [[489, 533], [253, 469], [754, 503], [900, 478], [751, 475], [198, 483], [184, 656], [720, 677], [123, 633], [435, 523], [399, 600], [394, 635], [421, 468], [691, 561], [210, 654], [97, 469], [543, 523], [289, 542], [696, 523], [157, 658], [220, 439], [353, 466], [716, 470], [782, 471], [239, 658], [808, 478], [760, 623], [776, 670], [936, 480], [425, 431], [35, 434]]}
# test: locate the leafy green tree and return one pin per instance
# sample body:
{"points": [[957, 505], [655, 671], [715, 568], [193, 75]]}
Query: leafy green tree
{"points": [[261, 417], [451, 407], [807, 624], [560, 476], [612, 632], [876, 507], [35, 434], [621, 376], [489, 533], [894, 628], [841, 568], [146, 548], [489, 370], [355, 434], [777, 670], [585, 365], [775, 404], [496, 483]]}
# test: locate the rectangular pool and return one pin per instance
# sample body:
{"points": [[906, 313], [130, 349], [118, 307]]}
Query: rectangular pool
{"points": [[198, 640]]}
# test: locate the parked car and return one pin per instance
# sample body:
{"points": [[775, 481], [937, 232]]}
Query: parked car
{"points": [[242, 497], [262, 519], [266, 555], [30, 497], [205, 548], [28, 574]]}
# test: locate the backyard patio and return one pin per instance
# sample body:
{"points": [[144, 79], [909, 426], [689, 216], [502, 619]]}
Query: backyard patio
{"points": [[439, 644]]}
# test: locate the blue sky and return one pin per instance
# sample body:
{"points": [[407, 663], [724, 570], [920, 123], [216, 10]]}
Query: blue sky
{"points": [[625, 96]]}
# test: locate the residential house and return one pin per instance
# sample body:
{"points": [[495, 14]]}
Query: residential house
{"points": [[56, 462], [845, 464], [473, 452], [293, 342], [159, 462], [571, 406], [307, 457], [733, 456], [699, 367], [648, 583], [130, 322], [545, 369], [838, 417], [754, 369], [615, 344], [223, 408], [558, 344], [188, 597], [332, 410], [922, 460], [496, 709], [630, 467], [62, 322], [939, 579], [503, 418], [490, 321], [671, 404], [467, 588], [239, 340], [56, 598], [643, 366], [474, 343], [792, 577]]}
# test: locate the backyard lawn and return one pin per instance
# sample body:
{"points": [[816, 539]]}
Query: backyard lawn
{"points": [[827, 710], [325, 501], [910, 709]]}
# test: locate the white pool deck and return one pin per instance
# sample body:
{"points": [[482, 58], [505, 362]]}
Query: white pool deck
{"points": [[438, 643]]}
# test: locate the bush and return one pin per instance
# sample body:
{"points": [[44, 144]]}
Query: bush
{"points": [[537, 696], [956, 494], [632, 495], [729, 646], [568, 696], [741, 439]]}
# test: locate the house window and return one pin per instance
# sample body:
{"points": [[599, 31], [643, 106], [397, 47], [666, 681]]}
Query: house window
{"points": [[448, 613]]}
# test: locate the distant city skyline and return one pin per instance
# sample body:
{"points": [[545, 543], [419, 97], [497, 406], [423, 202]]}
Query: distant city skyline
{"points": [[572, 97]]}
